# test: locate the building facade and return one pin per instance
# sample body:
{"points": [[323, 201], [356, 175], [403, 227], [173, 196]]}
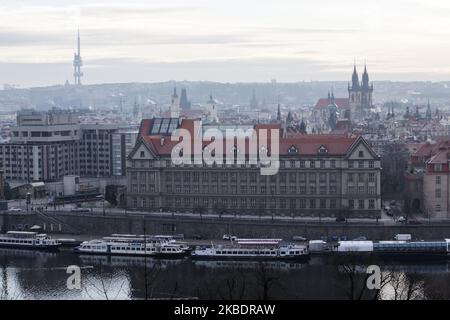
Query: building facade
{"points": [[319, 175], [46, 146], [428, 179]]}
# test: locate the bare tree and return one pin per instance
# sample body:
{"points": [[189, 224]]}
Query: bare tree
{"points": [[104, 286], [354, 269], [406, 286], [265, 280]]}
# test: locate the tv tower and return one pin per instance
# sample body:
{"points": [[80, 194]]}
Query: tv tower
{"points": [[77, 63]]}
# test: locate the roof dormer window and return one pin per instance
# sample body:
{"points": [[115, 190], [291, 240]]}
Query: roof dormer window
{"points": [[292, 150], [322, 149]]}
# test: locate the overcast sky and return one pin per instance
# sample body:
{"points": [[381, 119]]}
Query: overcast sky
{"points": [[223, 40]]}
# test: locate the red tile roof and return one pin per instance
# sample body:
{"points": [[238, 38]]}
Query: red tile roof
{"points": [[306, 144], [430, 149], [325, 102], [440, 157]]}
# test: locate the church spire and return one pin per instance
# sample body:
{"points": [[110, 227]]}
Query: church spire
{"points": [[279, 113], [355, 78], [365, 78], [428, 113]]}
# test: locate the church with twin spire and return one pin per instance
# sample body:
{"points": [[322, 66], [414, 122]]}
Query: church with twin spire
{"points": [[356, 108], [359, 96]]}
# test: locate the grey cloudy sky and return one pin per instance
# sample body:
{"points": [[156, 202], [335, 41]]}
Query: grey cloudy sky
{"points": [[223, 40]]}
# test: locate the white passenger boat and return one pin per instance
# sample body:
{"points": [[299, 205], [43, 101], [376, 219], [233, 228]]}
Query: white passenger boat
{"points": [[253, 249], [154, 239], [131, 246], [28, 240]]}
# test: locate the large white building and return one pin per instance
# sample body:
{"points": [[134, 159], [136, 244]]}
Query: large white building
{"points": [[46, 146], [326, 175]]}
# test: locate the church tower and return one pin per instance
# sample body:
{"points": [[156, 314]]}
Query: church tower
{"points": [[428, 112], [366, 91], [212, 110], [359, 95], [175, 105]]}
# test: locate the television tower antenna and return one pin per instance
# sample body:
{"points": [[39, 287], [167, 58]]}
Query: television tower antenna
{"points": [[77, 63]]}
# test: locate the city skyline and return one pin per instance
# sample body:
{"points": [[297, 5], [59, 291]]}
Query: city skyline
{"points": [[162, 41]]}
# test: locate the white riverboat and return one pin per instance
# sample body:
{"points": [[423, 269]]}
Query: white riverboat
{"points": [[154, 239], [28, 240], [131, 245], [253, 249]]}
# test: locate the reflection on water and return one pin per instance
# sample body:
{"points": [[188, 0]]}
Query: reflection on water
{"points": [[42, 275], [224, 264], [123, 261]]}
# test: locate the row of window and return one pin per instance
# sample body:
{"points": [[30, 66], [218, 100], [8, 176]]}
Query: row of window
{"points": [[304, 164], [255, 203], [243, 189], [361, 190], [281, 177]]}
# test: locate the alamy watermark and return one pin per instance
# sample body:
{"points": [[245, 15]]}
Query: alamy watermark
{"points": [[237, 146], [74, 280], [374, 280]]}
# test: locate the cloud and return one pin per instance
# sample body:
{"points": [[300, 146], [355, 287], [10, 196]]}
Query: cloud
{"points": [[11, 38], [114, 11], [312, 30]]}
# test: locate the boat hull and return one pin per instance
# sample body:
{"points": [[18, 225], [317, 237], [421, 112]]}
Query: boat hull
{"points": [[151, 255], [251, 258], [49, 248]]}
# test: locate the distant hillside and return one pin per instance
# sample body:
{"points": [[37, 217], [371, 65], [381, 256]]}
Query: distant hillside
{"points": [[293, 94]]}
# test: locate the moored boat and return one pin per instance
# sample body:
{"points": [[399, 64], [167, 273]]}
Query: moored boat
{"points": [[131, 245], [28, 240], [253, 249]]}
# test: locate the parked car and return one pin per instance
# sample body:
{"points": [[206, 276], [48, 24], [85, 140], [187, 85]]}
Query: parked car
{"points": [[401, 219], [414, 221], [403, 237], [393, 203], [299, 238], [15, 209], [361, 238], [229, 237], [340, 219]]}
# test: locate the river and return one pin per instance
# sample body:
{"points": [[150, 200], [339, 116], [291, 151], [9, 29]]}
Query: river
{"points": [[42, 275]]}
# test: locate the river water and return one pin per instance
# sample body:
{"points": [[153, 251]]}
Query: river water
{"points": [[41, 275]]}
